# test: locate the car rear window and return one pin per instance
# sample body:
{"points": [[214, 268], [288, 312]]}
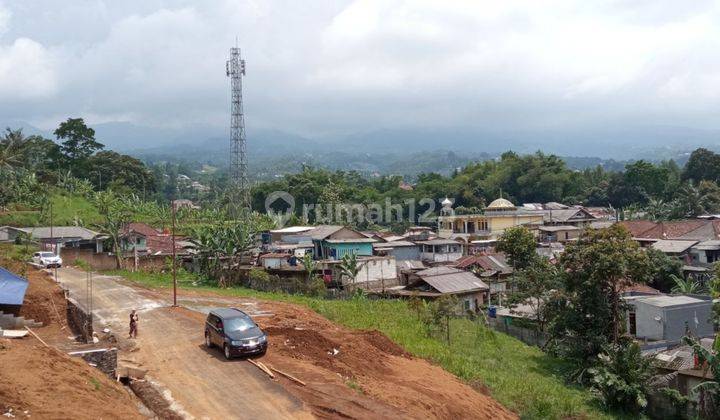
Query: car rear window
{"points": [[47, 254]]}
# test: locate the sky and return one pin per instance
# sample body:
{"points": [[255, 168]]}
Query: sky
{"points": [[320, 67]]}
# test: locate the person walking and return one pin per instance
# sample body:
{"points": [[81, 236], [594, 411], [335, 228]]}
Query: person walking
{"points": [[133, 324]]}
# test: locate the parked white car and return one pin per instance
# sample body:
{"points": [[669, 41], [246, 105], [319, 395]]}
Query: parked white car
{"points": [[47, 259]]}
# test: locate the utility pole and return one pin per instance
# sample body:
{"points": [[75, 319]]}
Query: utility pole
{"points": [[235, 69], [174, 269]]}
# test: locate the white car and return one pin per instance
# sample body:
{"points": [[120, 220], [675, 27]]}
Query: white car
{"points": [[47, 259]]}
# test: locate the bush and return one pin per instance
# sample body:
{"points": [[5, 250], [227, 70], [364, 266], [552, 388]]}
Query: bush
{"points": [[620, 376], [317, 288]]}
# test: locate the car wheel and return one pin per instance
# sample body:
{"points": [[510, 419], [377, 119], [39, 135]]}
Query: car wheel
{"points": [[226, 351], [208, 342]]}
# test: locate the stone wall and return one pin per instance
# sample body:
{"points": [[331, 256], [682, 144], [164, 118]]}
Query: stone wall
{"points": [[79, 321], [103, 359]]}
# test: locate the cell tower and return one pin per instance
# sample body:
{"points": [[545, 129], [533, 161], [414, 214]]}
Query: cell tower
{"points": [[235, 69]]}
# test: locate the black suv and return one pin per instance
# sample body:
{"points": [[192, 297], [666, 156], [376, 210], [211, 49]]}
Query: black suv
{"points": [[234, 332]]}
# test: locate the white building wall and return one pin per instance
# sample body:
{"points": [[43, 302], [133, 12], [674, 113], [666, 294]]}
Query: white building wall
{"points": [[377, 270]]}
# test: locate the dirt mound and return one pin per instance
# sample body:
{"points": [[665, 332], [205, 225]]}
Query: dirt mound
{"points": [[44, 300], [362, 374], [41, 382], [384, 344]]}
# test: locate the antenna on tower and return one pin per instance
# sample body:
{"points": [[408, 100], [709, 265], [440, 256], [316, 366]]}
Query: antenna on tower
{"points": [[235, 70]]}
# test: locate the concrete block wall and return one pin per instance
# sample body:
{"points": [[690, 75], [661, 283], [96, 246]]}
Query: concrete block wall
{"points": [[79, 321], [103, 359]]}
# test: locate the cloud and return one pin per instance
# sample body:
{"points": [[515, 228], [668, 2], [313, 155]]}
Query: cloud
{"points": [[325, 67], [27, 71]]}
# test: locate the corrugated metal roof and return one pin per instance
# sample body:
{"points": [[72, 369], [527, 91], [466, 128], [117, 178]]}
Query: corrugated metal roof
{"points": [[451, 280], [673, 247], [352, 241], [323, 231], [393, 244], [60, 232], [439, 242], [708, 246], [293, 229]]}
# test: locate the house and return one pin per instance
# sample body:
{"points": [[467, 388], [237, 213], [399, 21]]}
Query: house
{"points": [[498, 216], [675, 248], [292, 234], [668, 318], [374, 272], [334, 242], [440, 250], [274, 260], [492, 268], [63, 236], [573, 216], [401, 250], [442, 280], [134, 237], [418, 233], [646, 232], [406, 268], [705, 253], [12, 292], [559, 233]]}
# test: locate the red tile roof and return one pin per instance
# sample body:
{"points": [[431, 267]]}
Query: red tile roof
{"points": [[142, 228], [673, 229]]}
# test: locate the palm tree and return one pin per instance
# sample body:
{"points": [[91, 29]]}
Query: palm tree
{"points": [[11, 149], [685, 286]]}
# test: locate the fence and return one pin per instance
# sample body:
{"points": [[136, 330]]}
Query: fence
{"points": [[526, 335]]}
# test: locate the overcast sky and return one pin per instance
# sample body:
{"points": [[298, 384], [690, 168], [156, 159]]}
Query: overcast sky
{"points": [[324, 67]]}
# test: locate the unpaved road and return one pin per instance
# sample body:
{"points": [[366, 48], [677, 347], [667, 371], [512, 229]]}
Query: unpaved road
{"points": [[169, 346]]}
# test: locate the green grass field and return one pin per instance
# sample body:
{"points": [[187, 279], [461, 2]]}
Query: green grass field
{"points": [[522, 377], [68, 210]]}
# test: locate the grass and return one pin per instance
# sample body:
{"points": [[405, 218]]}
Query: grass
{"points": [[95, 383], [521, 377], [68, 210]]}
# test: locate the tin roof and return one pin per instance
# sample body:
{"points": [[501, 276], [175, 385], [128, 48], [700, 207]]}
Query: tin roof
{"points": [[450, 280], [673, 247]]}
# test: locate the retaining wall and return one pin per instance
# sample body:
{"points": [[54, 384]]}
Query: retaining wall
{"points": [[103, 359], [79, 321]]}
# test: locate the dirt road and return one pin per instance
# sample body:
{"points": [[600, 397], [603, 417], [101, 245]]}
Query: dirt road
{"points": [[347, 373], [169, 345]]}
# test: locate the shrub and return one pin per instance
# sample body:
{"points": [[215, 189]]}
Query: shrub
{"points": [[620, 376]]}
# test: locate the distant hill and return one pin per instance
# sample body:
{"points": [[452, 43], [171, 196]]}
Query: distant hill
{"points": [[401, 151]]}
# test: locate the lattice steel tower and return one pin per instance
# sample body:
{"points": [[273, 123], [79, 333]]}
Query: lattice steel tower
{"points": [[235, 69]]}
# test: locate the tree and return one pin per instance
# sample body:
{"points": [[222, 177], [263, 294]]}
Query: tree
{"points": [[595, 270], [78, 140], [518, 243], [702, 165], [111, 169], [533, 286], [116, 215], [664, 268]]}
